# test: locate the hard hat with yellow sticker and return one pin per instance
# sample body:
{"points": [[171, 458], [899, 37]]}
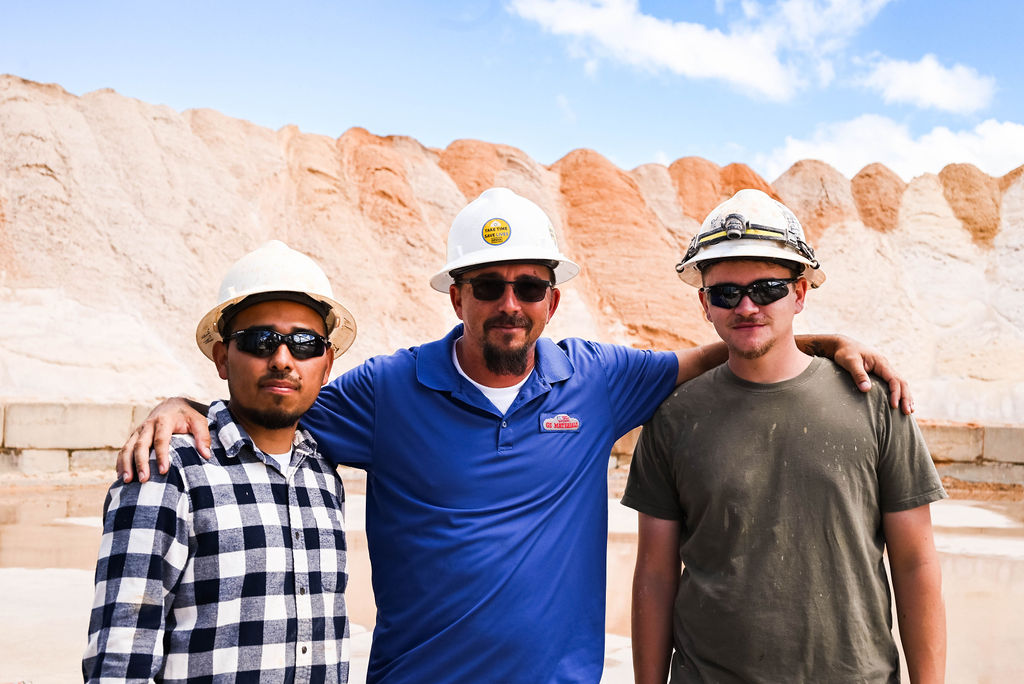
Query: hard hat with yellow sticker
{"points": [[501, 226]]}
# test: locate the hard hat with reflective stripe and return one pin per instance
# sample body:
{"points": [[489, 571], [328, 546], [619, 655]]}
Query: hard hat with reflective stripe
{"points": [[501, 226], [275, 271], [750, 225]]}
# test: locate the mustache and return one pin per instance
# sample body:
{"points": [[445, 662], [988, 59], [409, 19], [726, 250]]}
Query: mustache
{"points": [[508, 320], [292, 381], [758, 319]]}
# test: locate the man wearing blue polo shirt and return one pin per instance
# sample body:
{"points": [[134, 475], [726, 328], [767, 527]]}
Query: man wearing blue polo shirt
{"points": [[486, 453]]}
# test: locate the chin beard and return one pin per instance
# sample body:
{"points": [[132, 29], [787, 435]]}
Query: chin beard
{"points": [[506, 361], [756, 353], [270, 419], [503, 361]]}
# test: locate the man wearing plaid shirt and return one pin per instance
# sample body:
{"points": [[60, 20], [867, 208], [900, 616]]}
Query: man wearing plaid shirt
{"points": [[233, 570]]}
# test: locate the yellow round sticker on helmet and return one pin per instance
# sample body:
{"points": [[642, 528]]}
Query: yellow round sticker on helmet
{"points": [[496, 231]]}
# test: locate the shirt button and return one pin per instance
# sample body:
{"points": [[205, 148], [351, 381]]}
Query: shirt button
{"points": [[303, 649], [302, 590], [504, 424], [297, 535]]}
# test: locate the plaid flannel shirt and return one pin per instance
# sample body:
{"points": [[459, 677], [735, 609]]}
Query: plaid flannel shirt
{"points": [[223, 571]]}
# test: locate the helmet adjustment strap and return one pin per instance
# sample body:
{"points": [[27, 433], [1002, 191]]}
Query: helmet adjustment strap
{"points": [[736, 227]]}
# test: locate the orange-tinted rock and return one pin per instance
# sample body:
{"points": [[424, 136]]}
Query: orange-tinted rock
{"points": [[474, 165], [736, 177], [119, 211], [378, 175], [1008, 179], [703, 185], [877, 192], [818, 195], [974, 198], [699, 185], [619, 240], [659, 192]]}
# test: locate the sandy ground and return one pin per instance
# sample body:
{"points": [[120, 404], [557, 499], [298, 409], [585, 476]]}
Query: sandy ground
{"points": [[49, 536]]}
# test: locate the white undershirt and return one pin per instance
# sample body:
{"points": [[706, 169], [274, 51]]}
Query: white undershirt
{"points": [[501, 397], [283, 461]]}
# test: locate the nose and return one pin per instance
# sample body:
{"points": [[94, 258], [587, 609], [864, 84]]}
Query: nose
{"points": [[281, 359], [746, 306], [509, 301]]}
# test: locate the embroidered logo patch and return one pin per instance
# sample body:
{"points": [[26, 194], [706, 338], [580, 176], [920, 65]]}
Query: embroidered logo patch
{"points": [[496, 231], [560, 422]]}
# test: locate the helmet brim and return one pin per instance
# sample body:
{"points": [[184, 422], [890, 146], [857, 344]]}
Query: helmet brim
{"points": [[340, 324], [564, 269], [689, 271]]}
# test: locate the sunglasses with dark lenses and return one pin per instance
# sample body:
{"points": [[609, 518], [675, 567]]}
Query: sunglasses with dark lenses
{"points": [[263, 343], [527, 289], [761, 292]]}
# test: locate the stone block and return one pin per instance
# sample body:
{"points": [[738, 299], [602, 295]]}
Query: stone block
{"points": [[8, 461], [94, 459], [67, 426], [1004, 443], [42, 461], [996, 473], [959, 442], [139, 414]]}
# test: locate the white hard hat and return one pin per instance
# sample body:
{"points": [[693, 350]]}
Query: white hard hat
{"points": [[750, 225], [500, 226], [281, 273]]}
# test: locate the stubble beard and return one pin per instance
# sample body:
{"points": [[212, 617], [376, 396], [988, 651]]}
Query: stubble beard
{"points": [[758, 351], [270, 418], [755, 353]]}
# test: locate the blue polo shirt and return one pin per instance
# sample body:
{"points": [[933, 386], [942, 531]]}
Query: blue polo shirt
{"points": [[487, 533]]}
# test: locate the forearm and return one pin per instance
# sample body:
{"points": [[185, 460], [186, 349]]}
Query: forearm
{"points": [[921, 616], [818, 345], [697, 360], [653, 601]]}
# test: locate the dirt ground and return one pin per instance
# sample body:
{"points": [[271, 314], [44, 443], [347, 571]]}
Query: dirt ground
{"points": [[49, 535]]}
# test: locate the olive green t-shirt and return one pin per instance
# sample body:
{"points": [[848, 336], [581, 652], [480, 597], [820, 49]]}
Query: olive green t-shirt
{"points": [[780, 490]]}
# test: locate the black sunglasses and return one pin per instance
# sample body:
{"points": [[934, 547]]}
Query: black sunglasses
{"points": [[761, 292], [528, 289], [263, 343]]}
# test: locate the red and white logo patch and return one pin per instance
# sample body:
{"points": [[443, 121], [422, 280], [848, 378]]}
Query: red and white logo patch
{"points": [[560, 422]]}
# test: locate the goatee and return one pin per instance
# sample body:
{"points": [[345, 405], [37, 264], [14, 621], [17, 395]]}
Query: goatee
{"points": [[506, 361], [268, 419], [503, 360]]}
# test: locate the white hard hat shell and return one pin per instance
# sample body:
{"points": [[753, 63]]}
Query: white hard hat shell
{"points": [[784, 240], [275, 267], [500, 226]]}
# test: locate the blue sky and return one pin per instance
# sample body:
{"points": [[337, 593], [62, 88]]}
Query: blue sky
{"points": [[914, 84]]}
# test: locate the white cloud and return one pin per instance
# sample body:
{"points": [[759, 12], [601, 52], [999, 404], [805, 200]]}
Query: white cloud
{"points": [[992, 146], [766, 54], [926, 83], [568, 115], [813, 25]]}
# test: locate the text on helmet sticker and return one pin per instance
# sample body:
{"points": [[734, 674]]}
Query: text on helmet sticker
{"points": [[559, 422], [496, 231]]}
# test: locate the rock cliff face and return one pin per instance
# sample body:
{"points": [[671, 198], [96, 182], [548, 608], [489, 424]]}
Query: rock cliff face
{"points": [[118, 218]]}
